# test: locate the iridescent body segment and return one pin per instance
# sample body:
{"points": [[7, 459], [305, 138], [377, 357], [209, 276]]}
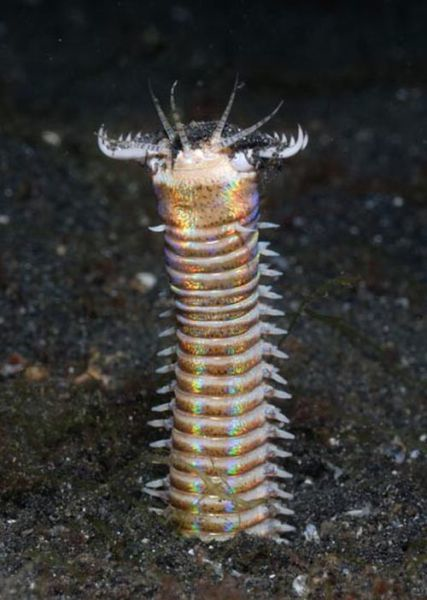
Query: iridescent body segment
{"points": [[225, 431]]}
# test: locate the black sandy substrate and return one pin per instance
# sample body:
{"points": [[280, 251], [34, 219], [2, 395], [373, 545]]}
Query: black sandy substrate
{"points": [[78, 322]]}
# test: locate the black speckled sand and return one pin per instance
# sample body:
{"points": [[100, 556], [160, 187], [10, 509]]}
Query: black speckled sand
{"points": [[80, 278]]}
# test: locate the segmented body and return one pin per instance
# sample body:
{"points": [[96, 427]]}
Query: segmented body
{"points": [[223, 426]]}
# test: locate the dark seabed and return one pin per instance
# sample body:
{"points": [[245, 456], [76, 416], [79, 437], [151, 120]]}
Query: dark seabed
{"points": [[79, 326]]}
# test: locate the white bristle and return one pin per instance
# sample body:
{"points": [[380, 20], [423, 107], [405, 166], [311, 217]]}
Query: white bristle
{"points": [[161, 443], [270, 329], [166, 369], [167, 388], [157, 483], [276, 452], [267, 225], [278, 378], [273, 412], [162, 407], [265, 292], [264, 309], [279, 509], [267, 272], [167, 351], [281, 433], [272, 350], [167, 332], [161, 423], [156, 493]]}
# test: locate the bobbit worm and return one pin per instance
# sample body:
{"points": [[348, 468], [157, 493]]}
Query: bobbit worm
{"points": [[224, 429]]}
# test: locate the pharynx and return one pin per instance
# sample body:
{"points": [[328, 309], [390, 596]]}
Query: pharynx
{"points": [[223, 427]]}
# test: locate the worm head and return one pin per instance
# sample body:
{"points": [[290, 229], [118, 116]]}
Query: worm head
{"points": [[203, 145]]}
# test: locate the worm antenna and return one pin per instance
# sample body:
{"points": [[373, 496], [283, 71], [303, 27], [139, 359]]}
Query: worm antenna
{"points": [[177, 121], [216, 136], [229, 141], [163, 118]]}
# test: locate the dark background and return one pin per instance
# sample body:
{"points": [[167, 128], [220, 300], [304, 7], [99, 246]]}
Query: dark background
{"points": [[79, 328]]}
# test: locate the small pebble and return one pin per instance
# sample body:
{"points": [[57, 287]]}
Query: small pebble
{"points": [[14, 364], [36, 373], [299, 585], [337, 471], [402, 302], [52, 138], [311, 534], [143, 282]]}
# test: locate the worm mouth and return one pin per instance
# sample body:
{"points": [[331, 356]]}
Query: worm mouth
{"points": [[201, 159]]}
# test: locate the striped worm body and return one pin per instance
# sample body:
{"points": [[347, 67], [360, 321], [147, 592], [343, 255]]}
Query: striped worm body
{"points": [[223, 428]]}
